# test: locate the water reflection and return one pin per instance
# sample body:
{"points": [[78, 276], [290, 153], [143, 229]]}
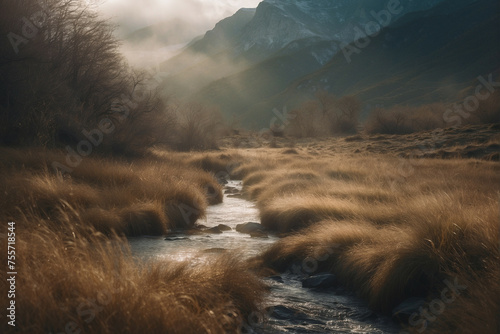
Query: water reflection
{"points": [[294, 309]]}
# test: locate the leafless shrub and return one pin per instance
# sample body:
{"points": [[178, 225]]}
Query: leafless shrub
{"points": [[62, 72], [489, 110], [199, 127], [307, 121], [345, 115], [325, 115], [404, 119]]}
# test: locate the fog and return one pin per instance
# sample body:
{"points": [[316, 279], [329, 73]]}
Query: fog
{"points": [[173, 23]]}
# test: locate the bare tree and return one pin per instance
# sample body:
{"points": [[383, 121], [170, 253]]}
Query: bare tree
{"points": [[199, 127], [61, 71], [347, 110]]}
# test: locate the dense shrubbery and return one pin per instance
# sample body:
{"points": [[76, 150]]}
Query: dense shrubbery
{"points": [[61, 74], [404, 120], [199, 128], [325, 115]]}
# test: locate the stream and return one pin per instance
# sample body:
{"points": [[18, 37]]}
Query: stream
{"points": [[292, 308]]}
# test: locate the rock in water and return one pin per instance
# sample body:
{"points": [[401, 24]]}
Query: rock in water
{"points": [[249, 228], [213, 230], [276, 278], [223, 227]]}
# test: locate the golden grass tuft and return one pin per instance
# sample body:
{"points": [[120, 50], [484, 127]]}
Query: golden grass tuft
{"points": [[148, 196], [294, 213], [92, 284], [388, 228]]}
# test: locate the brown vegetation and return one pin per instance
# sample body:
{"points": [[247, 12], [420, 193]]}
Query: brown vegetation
{"points": [[63, 81], [76, 272], [93, 285], [199, 128], [404, 120], [325, 115], [389, 228], [149, 196]]}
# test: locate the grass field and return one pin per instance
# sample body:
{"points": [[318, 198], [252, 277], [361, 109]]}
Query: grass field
{"points": [[76, 273], [388, 226]]}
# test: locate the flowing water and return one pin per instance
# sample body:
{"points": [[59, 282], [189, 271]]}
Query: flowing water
{"points": [[292, 308]]}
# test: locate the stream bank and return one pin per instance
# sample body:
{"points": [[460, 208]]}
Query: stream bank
{"points": [[291, 307]]}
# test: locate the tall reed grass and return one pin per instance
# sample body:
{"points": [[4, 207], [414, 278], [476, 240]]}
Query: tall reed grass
{"points": [[70, 283], [389, 230], [147, 196]]}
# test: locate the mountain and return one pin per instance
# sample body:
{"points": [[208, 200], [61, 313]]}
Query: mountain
{"points": [[282, 51], [255, 34], [159, 42], [424, 57], [275, 27], [171, 32], [277, 23]]}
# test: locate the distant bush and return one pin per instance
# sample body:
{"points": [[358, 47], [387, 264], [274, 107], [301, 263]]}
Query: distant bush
{"points": [[198, 128], [404, 119], [489, 110], [307, 122], [344, 116], [325, 115]]}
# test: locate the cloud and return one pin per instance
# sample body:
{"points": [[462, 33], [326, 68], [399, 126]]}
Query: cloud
{"points": [[133, 14]]}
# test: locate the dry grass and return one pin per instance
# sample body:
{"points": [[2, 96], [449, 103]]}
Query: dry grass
{"points": [[76, 272], [389, 228], [92, 284], [148, 196]]}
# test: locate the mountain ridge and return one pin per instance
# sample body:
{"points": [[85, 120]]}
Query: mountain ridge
{"points": [[254, 88]]}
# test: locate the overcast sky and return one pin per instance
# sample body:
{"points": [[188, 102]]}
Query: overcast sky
{"points": [[135, 14]]}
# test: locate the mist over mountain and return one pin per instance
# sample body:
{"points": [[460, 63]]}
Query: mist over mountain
{"points": [[255, 34], [283, 51], [159, 42], [171, 32]]}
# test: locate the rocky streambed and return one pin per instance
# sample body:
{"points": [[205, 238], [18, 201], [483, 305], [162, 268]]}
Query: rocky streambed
{"points": [[297, 303]]}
